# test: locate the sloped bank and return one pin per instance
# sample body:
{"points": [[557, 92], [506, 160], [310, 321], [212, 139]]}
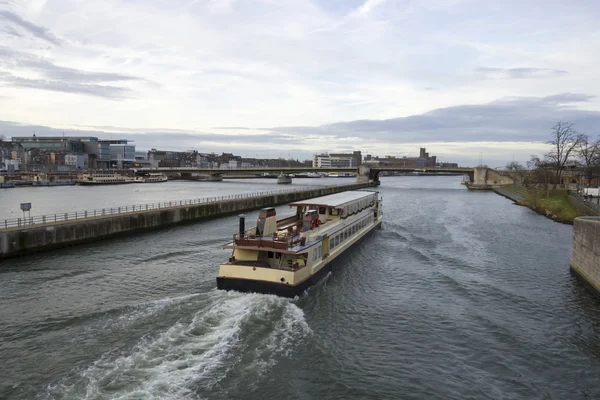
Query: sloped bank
{"points": [[557, 206], [24, 240]]}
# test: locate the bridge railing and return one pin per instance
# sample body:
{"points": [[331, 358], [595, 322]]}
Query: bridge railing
{"points": [[101, 212]]}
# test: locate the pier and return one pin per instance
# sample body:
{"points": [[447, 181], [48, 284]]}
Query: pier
{"points": [[27, 235]]}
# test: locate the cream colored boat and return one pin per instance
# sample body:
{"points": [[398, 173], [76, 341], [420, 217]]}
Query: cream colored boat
{"points": [[287, 256]]}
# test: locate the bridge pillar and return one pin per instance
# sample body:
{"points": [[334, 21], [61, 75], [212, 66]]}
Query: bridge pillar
{"points": [[486, 179], [214, 177], [364, 174]]}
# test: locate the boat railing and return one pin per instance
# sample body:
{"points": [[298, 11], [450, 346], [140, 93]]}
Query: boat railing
{"points": [[136, 208], [276, 241]]}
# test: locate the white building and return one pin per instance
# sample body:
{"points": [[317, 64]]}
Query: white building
{"points": [[327, 161], [77, 161], [12, 165]]}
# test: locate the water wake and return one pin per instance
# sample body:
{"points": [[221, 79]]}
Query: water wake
{"points": [[232, 334]]}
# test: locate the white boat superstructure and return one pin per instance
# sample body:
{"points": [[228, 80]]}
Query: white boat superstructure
{"points": [[104, 179], [152, 177], [288, 255]]}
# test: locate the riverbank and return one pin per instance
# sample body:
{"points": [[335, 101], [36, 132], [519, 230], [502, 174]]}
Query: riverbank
{"points": [[556, 205]]}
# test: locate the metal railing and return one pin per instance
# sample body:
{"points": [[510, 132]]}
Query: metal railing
{"points": [[591, 202], [78, 215]]}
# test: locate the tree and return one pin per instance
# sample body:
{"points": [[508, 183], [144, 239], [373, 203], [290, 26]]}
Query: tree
{"points": [[2, 137], [540, 173], [515, 171], [589, 156], [564, 141]]}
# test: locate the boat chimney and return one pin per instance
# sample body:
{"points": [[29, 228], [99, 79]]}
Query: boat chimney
{"points": [[242, 224]]}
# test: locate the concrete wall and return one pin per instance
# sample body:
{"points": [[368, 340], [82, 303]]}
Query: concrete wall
{"points": [[585, 253], [487, 178], [18, 241]]}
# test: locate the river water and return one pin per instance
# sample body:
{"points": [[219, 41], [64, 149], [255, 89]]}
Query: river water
{"points": [[459, 295]]}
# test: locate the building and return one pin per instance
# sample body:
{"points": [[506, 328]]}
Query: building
{"points": [[447, 165], [122, 154], [56, 143], [98, 151], [423, 161], [331, 161], [12, 156], [76, 161], [355, 155]]}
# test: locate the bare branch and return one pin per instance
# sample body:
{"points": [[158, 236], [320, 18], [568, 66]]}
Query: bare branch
{"points": [[565, 139], [589, 156]]}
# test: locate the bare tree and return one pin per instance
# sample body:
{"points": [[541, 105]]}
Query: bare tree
{"points": [[540, 173], [564, 141], [515, 171], [589, 156], [2, 137]]}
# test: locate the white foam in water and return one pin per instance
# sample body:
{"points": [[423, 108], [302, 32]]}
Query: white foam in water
{"points": [[195, 354]]}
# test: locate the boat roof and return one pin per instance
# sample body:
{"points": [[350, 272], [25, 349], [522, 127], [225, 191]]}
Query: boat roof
{"points": [[334, 200]]}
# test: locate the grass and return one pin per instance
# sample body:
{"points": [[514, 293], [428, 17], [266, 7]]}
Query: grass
{"points": [[555, 204]]}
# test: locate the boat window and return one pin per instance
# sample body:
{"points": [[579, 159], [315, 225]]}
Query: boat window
{"points": [[270, 254]]}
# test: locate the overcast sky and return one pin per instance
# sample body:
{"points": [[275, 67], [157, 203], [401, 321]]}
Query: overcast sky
{"points": [[289, 78]]}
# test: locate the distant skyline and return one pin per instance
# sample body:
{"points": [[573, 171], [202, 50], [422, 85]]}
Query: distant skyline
{"points": [[265, 78]]}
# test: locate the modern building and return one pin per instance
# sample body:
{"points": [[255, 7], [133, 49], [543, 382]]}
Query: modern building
{"points": [[355, 155], [98, 151], [122, 154], [330, 161], [55, 143]]}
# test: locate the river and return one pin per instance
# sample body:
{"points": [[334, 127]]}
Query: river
{"points": [[459, 295]]}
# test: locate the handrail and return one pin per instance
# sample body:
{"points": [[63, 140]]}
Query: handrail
{"points": [[79, 215]]}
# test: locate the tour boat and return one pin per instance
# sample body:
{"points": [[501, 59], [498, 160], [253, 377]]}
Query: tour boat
{"points": [[104, 179], [287, 256], [152, 177]]}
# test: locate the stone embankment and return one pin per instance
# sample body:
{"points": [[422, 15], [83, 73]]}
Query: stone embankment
{"points": [[514, 193], [585, 252], [24, 239]]}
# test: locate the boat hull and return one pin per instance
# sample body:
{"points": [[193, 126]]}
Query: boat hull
{"points": [[286, 290], [103, 183]]}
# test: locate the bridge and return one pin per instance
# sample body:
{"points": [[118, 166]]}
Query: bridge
{"points": [[479, 177]]}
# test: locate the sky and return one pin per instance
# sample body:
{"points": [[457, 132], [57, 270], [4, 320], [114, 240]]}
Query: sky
{"points": [[467, 79]]}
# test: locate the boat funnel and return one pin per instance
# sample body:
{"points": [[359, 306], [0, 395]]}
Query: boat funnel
{"points": [[242, 223]]}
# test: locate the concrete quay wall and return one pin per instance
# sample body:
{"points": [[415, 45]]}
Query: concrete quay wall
{"points": [[29, 239], [585, 251]]}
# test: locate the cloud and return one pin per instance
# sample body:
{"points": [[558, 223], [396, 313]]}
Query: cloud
{"points": [[516, 119], [368, 6], [57, 78], [502, 129], [35, 30], [519, 73], [110, 92]]}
